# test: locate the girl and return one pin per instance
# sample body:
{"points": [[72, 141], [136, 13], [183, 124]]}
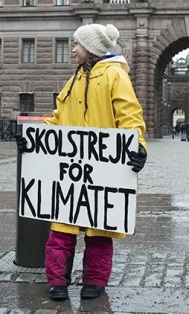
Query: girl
{"points": [[100, 94]]}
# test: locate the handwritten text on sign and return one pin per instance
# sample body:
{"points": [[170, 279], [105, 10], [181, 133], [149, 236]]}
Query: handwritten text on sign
{"points": [[79, 176]]}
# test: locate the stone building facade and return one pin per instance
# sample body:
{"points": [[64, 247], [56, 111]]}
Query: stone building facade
{"points": [[36, 43]]}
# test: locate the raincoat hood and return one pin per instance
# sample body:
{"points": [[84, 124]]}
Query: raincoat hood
{"points": [[118, 59]]}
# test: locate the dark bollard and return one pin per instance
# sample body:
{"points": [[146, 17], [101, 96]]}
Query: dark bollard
{"points": [[183, 136], [31, 234]]}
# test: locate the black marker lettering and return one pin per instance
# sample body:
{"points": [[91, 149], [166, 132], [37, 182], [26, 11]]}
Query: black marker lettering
{"points": [[74, 152], [69, 197], [88, 169], [50, 150], [53, 200], [75, 172], [25, 197], [126, 192], [30, 137], [118, 150], [83, 201], [91, 145], [39, 144], [82, 134], [102, 146], [96, 189], [60, 146], [39, 215], [108, 205], [126, 144], [62, 169]]}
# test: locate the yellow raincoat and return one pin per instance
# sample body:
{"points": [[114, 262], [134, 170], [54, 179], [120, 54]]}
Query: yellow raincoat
{"points": [[112, 103]]}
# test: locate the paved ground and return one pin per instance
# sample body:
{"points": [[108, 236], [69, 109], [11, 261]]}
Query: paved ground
{"points": [[151, 269]]}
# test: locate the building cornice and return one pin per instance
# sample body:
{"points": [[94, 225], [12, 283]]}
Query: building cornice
{"points": [[88, 9]]}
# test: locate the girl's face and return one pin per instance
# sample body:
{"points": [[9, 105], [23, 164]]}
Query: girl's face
{"points": [[80, 53]]}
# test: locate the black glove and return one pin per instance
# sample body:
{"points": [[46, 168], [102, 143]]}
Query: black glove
{"points": [[137, 160], [21, 143]]}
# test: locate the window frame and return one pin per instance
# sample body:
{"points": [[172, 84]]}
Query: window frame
{"points": [[29, 54], [29, 104], [63, 59], [62, 3], [24, 3]]}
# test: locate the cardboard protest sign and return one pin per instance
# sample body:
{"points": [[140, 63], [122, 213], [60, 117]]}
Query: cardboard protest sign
{"points": [[79, 176]]}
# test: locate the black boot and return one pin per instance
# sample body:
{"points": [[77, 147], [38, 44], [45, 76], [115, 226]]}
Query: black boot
{"points": [[58, 293], [92, 292], [61, 292]]}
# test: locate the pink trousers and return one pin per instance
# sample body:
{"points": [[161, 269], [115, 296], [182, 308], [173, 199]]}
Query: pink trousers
{"points": [[97, 260]]}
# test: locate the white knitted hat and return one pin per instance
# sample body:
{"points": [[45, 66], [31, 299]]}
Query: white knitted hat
{"points": [[97, 38]]}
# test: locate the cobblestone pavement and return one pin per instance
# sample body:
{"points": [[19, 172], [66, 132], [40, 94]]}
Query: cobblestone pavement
{"points": [[150, 269]]}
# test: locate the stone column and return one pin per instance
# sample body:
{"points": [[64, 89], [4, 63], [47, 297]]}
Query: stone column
{"points": [[141, 68]]}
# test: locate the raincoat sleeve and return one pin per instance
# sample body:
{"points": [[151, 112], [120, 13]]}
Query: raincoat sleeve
{"points": [[127, 110], [59, 105], [54, 119]]}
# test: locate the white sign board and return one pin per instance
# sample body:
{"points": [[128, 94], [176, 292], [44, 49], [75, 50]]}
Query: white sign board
{"points": [[79, 176]]}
